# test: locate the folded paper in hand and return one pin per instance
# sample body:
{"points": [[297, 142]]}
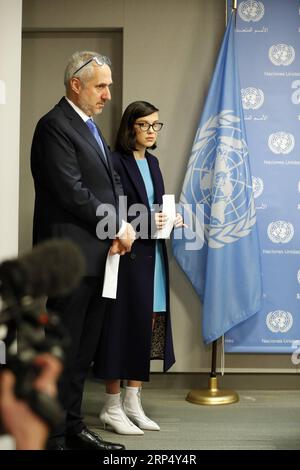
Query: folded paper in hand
{"points": [[110, 283], [170, 210]]}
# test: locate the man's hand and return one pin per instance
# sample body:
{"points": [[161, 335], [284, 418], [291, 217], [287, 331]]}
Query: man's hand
{"points": [[123, 243], [127, 237], [117, 248], [50, 370], [28, 429]]}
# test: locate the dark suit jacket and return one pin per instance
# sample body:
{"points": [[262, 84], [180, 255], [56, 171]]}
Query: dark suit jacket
{"points": [[71, 181]]}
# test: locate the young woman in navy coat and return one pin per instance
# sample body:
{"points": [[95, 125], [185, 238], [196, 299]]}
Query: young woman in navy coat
{"points": [[138, 327]]}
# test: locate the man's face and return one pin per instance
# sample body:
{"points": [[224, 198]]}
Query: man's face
{"points": [[93, 93]]}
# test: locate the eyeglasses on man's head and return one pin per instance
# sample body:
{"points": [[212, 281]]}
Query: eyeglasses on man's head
{"points": [[100, 60], [145, 126]]}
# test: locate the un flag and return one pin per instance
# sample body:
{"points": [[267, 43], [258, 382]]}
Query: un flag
{"points": [[226, 271]]}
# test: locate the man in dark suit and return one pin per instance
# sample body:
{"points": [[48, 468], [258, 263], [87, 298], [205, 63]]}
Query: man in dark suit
{"points": [[73, 177]]}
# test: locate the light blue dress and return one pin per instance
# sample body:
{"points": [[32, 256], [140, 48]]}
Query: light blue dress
{"points": [[159, 297]]}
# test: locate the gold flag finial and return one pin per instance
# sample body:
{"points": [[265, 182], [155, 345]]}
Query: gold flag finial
{"points": [[234, 9]]}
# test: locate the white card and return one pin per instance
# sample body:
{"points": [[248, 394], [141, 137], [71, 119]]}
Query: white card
{"points": [[168, 208], [110, 283], [2, 92]]}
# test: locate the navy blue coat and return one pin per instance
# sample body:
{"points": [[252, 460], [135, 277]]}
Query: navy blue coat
{"points": [[128, 343]]}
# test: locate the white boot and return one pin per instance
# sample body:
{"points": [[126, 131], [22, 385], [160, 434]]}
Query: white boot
{"points": [[133, 408], [112, 414]]}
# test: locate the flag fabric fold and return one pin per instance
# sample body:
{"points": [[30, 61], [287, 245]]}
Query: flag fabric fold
{"points": [[226, 271]]}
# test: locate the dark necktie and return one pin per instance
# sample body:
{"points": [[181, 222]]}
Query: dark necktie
{"points": [[93, 128]]}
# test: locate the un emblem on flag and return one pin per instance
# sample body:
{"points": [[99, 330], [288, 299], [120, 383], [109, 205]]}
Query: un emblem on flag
{"points": [[279, 321], [219, 179], [282, 54], [251, 10], [252, 98]]}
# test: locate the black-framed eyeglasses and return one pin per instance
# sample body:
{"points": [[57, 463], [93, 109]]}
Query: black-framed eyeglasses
{"points": [[145, 126], [99, 60]]}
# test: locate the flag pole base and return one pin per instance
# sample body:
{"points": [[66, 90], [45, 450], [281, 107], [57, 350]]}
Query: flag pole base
{"points": [[212, 395]]}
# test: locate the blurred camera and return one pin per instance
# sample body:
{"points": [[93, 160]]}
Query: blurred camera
{"points": [[53, 268]]}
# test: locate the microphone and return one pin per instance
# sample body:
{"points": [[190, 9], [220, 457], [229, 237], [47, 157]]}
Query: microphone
{"points": [[52, 268]]}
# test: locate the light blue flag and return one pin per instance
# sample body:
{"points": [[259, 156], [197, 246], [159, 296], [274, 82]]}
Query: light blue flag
{"points": [[226, 271]]}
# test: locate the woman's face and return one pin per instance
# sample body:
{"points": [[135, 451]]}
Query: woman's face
{"points": [[145, 138]]}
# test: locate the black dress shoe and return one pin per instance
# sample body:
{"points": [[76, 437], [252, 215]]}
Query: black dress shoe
{"points": [[88, 440]]}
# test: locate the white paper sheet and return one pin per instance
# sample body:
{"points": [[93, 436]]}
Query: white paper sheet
{"points": [[168, 208], [2, 92], [110, 283]]}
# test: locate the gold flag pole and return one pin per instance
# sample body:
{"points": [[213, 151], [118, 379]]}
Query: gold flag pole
{"points": [[234, 8], [212, 395]]}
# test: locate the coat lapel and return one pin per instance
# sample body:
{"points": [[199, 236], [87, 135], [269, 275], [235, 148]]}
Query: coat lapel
{"points": [[107, 152], [83, 129], [80, 126], [156, 178], [136, 178]]}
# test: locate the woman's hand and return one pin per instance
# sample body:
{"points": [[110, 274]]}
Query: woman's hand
{"points": [[178, 222], [160, 220]]}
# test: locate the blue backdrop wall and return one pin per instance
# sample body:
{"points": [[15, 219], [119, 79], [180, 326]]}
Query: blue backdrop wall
{"points": [[268, 44]]}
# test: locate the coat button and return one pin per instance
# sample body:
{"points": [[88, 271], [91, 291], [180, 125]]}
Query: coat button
{"points": [[132, 255]]}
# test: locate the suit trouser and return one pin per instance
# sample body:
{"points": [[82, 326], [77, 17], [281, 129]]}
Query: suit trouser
{"points": [[82, 313]]}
